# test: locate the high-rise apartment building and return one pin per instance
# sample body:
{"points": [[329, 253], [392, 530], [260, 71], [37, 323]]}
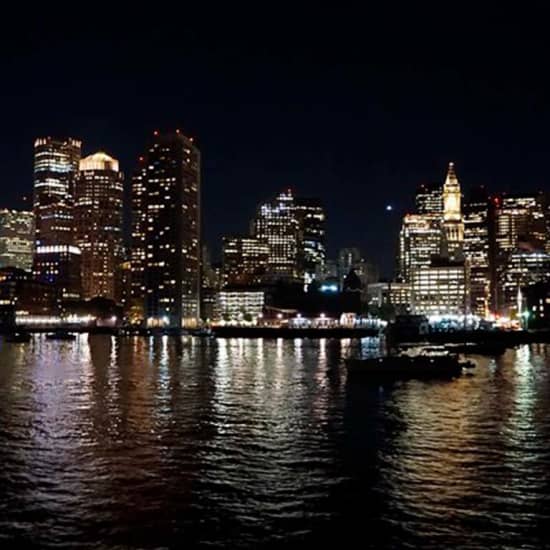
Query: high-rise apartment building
{"points": [[276, 224], [166, 232], [16, 239], [98, 211]]}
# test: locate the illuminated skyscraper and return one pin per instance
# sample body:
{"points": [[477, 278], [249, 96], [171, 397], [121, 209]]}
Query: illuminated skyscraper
{"points": [[277, 225], [478, 249], [55, 169], [311, 217], [453, 226], [16, 239], [245, 261], [419, 241], [429, 200], [166, 232], [56, 259], [98, 205]]}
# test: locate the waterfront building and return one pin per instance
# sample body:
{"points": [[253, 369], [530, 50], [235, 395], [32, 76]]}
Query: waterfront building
{"points": [[59, 265], [277, 225], [166, 232], [240, 305], [311, 217], [440, 288], [98, 211], [16, 239], [245, 260], [391, 297], [478, 249]]}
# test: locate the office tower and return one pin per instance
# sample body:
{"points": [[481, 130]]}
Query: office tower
{"points": [[518, 222], [453, 226], [245, 261], [440, 288], [60, 266], [16, 239], [429, 200], [55, 169], [56, 259], [98, 210], [478, 249], [166, 232], [419, 241], [277, 225], [525, 266], [519, 218], [311, 217]]}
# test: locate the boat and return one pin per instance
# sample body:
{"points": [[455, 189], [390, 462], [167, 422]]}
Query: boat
{"points": [[397, 367], [492, 349], [61, 335], [18, 337]]}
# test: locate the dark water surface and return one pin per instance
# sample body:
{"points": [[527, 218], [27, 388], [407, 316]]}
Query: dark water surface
{"points": [[250, 443]]}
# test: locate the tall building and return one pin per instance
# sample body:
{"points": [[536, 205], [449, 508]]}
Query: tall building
{"points": [[55, 168], [429, 200], [277, 225], [311, 217], [478, 249], [440, 288], [518, 221], [245, 261], [56, 259], [453, 226], [419, 241], [59, 266], [166, 232], [524, 267], [98, 211], [16, 239], [519, 218]]}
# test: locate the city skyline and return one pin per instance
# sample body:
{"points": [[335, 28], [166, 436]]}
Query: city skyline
{"points": [[358, 120]]}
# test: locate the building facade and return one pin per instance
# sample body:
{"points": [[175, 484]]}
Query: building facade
{"points": [[98, 211], [245, 261], [429, 200], [419, 241], [166, 232], [56, 259], [16, 239], [453, 225], [240, 305], [277, 225], [478, 250], [311, 217]]}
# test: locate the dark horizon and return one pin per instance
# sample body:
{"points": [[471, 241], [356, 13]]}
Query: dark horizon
{"points": [[355, 110]]}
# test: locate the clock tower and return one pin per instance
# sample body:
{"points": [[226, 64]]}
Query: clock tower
{"points": [[453, 225]]}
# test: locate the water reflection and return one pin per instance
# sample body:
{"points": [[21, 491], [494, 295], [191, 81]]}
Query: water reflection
{"points": [[156, 442]]}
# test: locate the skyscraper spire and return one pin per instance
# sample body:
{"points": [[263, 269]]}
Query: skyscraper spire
{"points": [[451, 179]]}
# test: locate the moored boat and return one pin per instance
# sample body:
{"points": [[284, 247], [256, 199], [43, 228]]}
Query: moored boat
{"points": [[18, 337], [393, 367], [61, 335]]}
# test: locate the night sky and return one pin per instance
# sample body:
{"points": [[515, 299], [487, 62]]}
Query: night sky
{"points": [[356, 107]]}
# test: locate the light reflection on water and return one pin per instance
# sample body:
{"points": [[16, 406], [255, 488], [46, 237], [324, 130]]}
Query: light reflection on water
{"points": [[160, 442]]}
